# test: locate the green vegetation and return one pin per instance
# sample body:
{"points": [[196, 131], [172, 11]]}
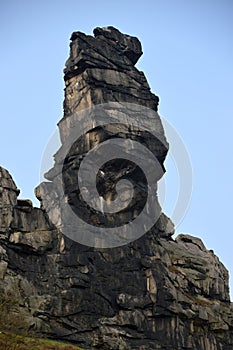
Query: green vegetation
{"points": [[9, 341], [13, 329]]}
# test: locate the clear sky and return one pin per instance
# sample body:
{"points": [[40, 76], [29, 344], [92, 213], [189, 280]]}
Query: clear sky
{"points": [[188, 61]]}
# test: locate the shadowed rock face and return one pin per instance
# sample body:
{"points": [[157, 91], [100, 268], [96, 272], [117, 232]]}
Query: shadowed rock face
{"points": [[153, 293]]}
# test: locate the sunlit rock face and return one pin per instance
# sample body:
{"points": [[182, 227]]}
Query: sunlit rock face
{"points": [[155, 292]]}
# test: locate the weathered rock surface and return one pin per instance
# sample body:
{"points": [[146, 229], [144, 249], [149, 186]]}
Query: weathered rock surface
{"points": [[8, 196], [101, 69], [153, 293]]}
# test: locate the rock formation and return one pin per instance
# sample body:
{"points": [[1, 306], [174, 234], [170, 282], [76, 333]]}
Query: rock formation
{"points": [[155, 292]]}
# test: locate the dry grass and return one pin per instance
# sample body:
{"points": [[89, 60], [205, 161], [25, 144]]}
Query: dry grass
{"points": [[199, 300], [174, 269]]}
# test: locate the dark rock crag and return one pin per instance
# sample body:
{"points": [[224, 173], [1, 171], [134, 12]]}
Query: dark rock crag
{"points": [[153, 293]]}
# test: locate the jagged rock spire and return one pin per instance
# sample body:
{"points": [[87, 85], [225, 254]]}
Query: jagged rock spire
{"points": [[154, 293]]}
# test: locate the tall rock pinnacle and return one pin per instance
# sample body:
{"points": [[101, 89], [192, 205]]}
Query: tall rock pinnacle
{"points": [[108, 103], [96, 265], [101, 69]]}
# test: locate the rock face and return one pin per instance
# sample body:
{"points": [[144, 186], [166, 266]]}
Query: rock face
{"points": [[101, 69], [155, 292]]}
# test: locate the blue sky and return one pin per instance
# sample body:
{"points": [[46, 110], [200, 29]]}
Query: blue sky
{"points": [[188, 61]]}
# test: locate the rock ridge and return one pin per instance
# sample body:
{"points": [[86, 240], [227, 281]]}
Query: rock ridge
{"points": [[155, 292]]}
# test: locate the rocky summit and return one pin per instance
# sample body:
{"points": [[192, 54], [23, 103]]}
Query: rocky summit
{"points": [[150, 292]]}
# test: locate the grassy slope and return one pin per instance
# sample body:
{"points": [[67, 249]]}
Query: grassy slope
{"points": [[9, 341]]}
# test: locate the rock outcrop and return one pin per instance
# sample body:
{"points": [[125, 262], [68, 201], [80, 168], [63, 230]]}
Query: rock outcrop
{"points": [[155, 292]]}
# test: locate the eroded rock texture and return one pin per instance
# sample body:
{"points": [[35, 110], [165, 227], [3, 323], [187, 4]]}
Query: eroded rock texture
{"points": [[153, 293]]}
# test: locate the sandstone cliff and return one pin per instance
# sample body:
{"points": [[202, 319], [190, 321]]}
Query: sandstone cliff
{"points": [[153, 292]]}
